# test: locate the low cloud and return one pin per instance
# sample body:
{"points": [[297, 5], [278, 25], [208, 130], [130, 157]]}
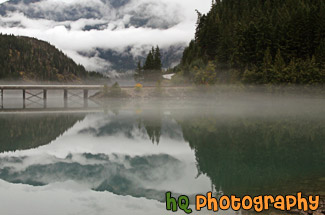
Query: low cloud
{"points": [[95, 24], [92, 63]]}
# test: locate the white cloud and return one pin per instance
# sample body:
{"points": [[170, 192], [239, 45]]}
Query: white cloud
{"points": [[93, 63], [116, 32]]}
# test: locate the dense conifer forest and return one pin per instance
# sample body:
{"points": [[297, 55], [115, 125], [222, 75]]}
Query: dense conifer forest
{"points": [[258, 42], [23, 58], [152, 65]]}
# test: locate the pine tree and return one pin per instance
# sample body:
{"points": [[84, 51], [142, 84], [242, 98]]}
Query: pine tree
{"points": [[279, 63], [267, 66], [139, 67], [139, 72], [320, 54], [279, 66], [153, 60], [157, 59], [149, 64]]}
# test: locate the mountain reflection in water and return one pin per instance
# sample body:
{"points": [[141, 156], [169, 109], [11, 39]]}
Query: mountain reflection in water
{"points": [[146, 153]]}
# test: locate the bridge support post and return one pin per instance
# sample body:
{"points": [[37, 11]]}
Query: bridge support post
{"points": [[24, 98], [65, 98], [85, 98], [45, 98], [2, 98]]}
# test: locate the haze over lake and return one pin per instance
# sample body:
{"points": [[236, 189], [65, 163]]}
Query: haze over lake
{"points": [[123, 158]]}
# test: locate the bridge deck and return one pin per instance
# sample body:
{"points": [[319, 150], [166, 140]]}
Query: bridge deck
{"points": [[50, 87], [50, 110], [69, 87]]}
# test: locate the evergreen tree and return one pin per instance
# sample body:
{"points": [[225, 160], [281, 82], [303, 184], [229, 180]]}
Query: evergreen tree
{"points": [[153, 60], [149, 64], [267, 66], [152, 66], [139, 71], [279, 66], [139, 67], [157, 59]]}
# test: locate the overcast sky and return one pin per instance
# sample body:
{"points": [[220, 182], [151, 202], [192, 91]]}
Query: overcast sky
{"points": [[118, 33]]}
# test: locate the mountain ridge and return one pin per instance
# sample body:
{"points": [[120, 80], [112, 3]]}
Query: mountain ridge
{"points": [[25, 58]]}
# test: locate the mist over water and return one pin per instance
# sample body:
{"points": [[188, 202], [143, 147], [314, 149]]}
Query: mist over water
{"points": [[123, 157]]}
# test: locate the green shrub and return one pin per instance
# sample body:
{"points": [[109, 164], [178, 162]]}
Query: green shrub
{"points": [[114, 91]]}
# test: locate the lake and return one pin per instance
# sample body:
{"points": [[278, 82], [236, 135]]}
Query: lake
{"points": [[123, 157]]}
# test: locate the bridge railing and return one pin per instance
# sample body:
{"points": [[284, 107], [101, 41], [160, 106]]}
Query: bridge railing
{"points": [[28, 94]]}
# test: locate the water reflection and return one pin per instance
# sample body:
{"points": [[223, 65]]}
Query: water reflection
{"points": [[20, 132], [114, 153], [122, 175], [144, 152], [259, 156]]}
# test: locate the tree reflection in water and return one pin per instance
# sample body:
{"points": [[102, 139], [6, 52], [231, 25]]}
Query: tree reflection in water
{"points": [[241, 155], [19, 132], [258, 155]]}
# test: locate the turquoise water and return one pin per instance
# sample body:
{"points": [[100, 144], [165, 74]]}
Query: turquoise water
{"points": [[123, 158]]}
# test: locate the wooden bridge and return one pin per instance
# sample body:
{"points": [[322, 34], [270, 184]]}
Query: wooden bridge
{"points": [[27, 93]]}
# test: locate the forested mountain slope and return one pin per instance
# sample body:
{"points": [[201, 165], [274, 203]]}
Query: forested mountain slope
{"points": [[258, 41], [23, 58]]}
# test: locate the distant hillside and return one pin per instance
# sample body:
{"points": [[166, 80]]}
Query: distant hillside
{"points": [[23, 58]]}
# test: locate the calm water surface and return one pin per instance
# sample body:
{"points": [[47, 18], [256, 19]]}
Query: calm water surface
{"points": [[124, 158]]}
